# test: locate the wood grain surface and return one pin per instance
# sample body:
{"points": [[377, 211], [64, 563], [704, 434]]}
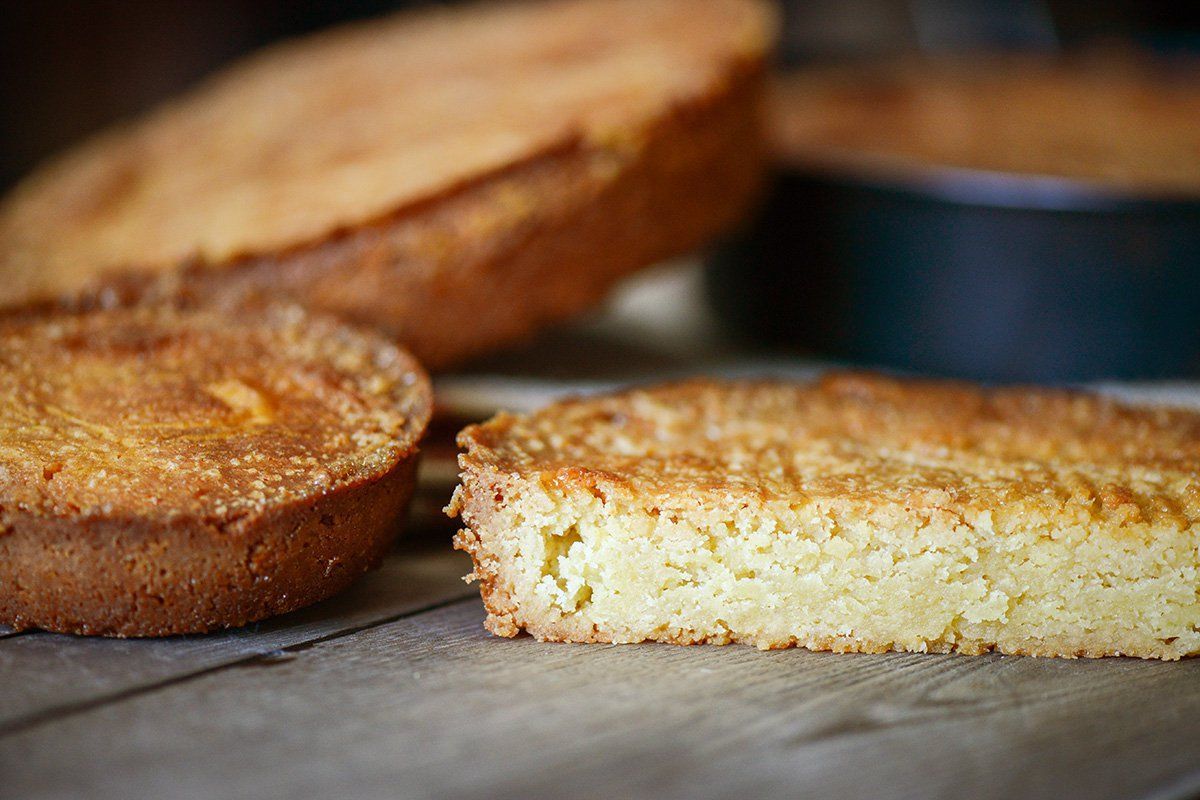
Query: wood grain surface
{"points": [[57, 674], [428, 705]]}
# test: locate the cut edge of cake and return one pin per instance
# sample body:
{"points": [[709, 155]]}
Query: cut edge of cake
{"points": [[579, 554]]}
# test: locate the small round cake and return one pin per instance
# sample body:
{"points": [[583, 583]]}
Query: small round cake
{"points": [[169, 471]]}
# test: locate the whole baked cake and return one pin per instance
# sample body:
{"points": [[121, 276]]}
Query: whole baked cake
{"points": [[458, 177], [1112, 120], [168, 471]]}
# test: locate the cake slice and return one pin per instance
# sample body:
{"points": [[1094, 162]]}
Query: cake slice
{"points": [[458, 177], [857, 513], [172, 471]]}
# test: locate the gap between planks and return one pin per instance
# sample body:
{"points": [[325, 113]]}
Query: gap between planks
{"points": [[60, 674], [54, 713]]}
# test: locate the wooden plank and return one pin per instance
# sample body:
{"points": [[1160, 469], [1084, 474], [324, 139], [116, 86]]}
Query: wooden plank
{"points": [[430, 706], [56, 673]]}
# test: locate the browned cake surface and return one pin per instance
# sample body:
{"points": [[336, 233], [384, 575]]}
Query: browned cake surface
{"points": [[419, 170], [1108, 119], [867, 439], [166, 471], [855, 513]]}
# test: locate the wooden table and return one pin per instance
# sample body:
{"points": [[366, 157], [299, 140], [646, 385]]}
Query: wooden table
{"points": [[395, 690]]}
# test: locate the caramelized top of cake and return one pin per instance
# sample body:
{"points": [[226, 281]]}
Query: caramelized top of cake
{"points": [[167, 412], [358, 124], [1111, 120], [863, 438]]}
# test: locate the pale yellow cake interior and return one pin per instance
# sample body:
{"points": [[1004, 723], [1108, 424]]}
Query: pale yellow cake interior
{"points": [[851, 515]]}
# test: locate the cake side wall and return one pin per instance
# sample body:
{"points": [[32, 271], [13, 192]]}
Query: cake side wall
{"points": [[601, 563]]}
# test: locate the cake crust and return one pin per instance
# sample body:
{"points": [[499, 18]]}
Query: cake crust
{"points": [[458, 178], [1116, 122], [857, 513], [166, 470]]}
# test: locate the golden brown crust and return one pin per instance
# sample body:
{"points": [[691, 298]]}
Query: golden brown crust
{"points": [[165, 470], [501, 184], [866, 438], [1108, 119], [1062, 523]]}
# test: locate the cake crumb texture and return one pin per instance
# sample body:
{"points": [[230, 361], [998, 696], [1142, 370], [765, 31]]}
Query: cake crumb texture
{"points": [[857, 513]]}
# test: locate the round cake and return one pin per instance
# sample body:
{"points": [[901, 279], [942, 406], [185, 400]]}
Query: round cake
{"points": [[1116, 121], [458, 177], [172, 471]]}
